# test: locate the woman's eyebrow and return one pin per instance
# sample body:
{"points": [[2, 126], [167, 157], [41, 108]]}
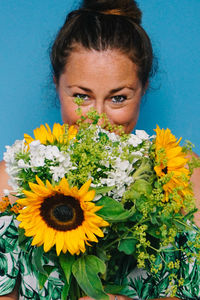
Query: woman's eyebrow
{"points": [[80, 87], [111, 91], [121, 88]]}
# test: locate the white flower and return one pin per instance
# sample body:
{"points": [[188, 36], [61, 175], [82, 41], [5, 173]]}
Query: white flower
{"points": [[134, 140], [57, 172], [142, 134], [37, 154], [122, 165], [65, 164], [137, 154], [34, 144], [52, 152], [97, 197], [113, 136], [9, 155], [13, 183], [6, 192], [22, 165], [105, 163], [119, 177]]}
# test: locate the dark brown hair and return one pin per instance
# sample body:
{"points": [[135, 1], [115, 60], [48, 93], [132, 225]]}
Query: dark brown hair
{"points": [[102, 25]]}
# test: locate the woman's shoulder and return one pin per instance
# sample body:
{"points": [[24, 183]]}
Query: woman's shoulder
{"points": [[4, 178], [195, 180]]}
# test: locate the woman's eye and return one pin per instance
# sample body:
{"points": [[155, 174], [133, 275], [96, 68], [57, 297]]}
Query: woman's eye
{"points": [[118, 99], [81, 96]]}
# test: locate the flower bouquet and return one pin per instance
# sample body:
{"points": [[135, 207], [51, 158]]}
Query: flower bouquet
{"points": [[97, 204]]}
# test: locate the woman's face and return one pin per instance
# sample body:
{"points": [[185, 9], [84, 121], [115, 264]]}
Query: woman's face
{"points": [[105, 80]]}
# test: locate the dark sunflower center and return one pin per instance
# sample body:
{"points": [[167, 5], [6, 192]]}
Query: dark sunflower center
{"points": [[165, 170], [63, 213]]}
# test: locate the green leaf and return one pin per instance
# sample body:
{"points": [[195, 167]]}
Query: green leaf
{"points": [[37, 260], [22, 239], [127, 245], [102, 254], [42, 278], [3, 264], [113, 211], [154, 232], [113, 289], [104, 189], [142, 187], [154, 219], [85, 270], [190, 215], [65, 291], [136, 217], [66, 261], [181, 225]]}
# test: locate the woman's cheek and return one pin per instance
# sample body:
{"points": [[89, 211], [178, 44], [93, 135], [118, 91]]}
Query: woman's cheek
{"points": [[69, 111], [126, 116]]}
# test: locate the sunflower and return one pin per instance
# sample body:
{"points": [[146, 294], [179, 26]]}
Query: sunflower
{"points": [[61, 216], [171, 162], [46, 136]]}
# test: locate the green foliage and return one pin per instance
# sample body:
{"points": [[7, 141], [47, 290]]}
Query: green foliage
{"points": [[86, 270], [127, 245], [66, 261], [113, 211], [42, 278]]}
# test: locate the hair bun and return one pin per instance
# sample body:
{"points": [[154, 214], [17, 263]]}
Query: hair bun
{"points": [[128, 8]]}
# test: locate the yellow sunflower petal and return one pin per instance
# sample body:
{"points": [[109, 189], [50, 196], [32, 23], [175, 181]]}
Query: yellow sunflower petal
{"points": [[39, 181], [49, 187], [72, 132], [39, 190], [58, 131], [39, 237], [84, 189], [59, 241], [49, 239], [89, 196], [64, 186], [28, 138]]}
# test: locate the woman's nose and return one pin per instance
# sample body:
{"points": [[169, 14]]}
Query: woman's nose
{"points": [[99, 106]]}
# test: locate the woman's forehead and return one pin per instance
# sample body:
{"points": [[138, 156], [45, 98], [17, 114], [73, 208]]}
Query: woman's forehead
{"points": [[91, 65]]}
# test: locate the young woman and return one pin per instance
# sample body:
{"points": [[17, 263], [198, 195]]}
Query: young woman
{"points": [[102, 55]]}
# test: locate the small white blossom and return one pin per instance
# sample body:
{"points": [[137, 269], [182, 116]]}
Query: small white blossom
{"points": [[113, 137], [37, 154], [134, 140], [34, 143], [13, 183], [122, 165], [6, 192], [9, 155], [66, 162], [22, 165], [52, 152], [142, 134], [57, 173]]}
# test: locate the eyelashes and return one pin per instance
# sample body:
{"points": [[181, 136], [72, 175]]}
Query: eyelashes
{"points": [[114, 99], [118, 98], [81, 96]]}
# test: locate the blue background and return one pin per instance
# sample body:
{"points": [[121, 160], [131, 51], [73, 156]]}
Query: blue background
{"points": [[26, 90]]}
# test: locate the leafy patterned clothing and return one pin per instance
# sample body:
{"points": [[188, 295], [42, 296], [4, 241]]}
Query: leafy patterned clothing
{"points": [[18, 263]]}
